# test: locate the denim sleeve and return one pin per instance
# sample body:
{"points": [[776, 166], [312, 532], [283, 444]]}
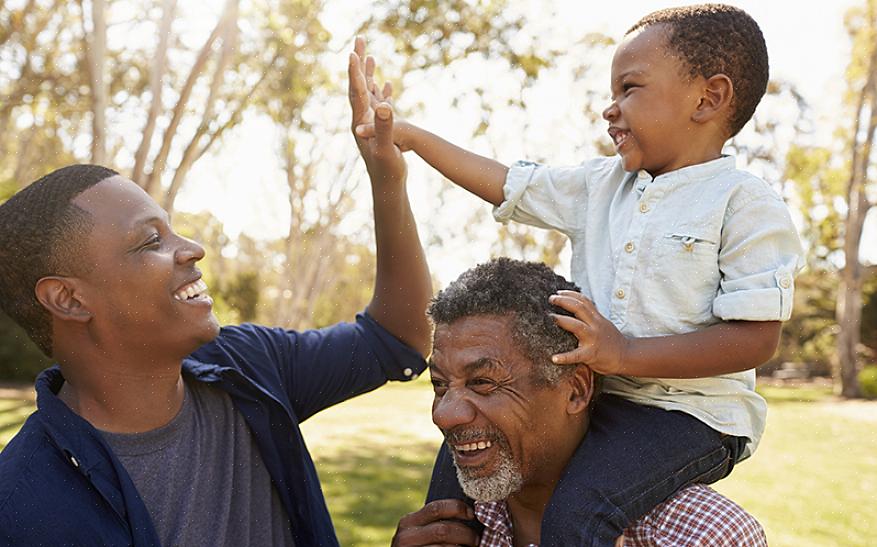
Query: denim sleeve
{"points": [[330, 365], [317, 368], [545, 197], [759, 258]]}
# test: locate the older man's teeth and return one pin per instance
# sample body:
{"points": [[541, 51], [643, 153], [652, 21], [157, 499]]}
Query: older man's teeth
{"points": [[469, 447], [192, 290]]}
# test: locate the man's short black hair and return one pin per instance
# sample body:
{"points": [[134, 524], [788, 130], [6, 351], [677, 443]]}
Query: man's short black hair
{"points": [[42, 233], [715, 39], [520, 290]]}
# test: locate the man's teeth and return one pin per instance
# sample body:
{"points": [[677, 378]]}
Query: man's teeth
{"points": [[191, 290], [469, 447]]}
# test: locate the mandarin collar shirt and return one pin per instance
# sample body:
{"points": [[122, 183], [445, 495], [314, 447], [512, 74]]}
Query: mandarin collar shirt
{"points": [[61, 484]]}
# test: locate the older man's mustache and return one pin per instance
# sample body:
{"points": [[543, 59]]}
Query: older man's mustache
{"points": [[463, 435]]}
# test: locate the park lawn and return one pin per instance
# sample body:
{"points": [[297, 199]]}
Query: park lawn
{"points": [[812, 482]]}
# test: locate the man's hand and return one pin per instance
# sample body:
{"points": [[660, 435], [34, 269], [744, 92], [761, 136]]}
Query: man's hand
{"points": [[382, 158], [602, 347], [375, 95], [432, 525]]}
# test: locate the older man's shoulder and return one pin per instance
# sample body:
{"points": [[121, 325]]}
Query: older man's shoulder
{"points": [[697, 515]]}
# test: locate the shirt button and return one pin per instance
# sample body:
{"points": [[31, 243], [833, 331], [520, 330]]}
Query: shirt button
{"points": [[74, 462], [619, 293], [407, 372], [629, 246], [785, 283], [643, 207]]}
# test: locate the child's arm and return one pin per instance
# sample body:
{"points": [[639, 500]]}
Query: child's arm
{"points": [[732, 346], [482, 176]]}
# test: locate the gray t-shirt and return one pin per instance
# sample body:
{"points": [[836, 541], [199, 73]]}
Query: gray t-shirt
{"points": [[202, 478]]}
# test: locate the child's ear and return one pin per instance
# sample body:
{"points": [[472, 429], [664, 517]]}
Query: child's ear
{"points": [[61, 297], [718, 91], [582, 383]]}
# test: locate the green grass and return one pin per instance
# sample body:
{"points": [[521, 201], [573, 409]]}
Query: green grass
{"points": [[812, 482]]}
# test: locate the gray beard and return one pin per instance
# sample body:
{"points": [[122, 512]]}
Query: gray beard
{"points": [[505, 481]]}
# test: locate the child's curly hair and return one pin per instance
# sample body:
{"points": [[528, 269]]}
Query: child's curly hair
{"points": [[718, 39]]}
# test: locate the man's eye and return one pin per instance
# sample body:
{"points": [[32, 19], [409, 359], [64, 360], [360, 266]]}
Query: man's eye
{"points": [[153, 241], [482, 385], [439, 386]]}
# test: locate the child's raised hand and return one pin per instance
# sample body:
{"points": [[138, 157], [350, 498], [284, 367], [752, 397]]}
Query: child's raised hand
{"points": [[601, 345], [375, 95]]}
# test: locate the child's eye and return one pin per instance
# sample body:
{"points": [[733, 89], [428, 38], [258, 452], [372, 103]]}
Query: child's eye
{"points": [[627, 87]]}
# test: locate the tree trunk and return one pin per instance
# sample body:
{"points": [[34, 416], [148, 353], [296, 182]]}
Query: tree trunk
{"points": [[152, 184], [849, 300], [159, 66], [97, 54]]}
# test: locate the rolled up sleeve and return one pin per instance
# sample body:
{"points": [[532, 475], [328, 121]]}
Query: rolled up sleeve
{"points": [[543, 196], [761, 254]]}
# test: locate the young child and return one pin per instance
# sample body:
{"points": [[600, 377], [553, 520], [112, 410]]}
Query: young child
{"points": [[686, 263]]}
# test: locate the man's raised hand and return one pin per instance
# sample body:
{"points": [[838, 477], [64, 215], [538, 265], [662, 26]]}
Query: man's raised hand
{"points": [[382, 158]]}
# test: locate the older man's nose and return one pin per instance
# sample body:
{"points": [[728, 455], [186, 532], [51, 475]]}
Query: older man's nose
{"points": [[452, 410]]}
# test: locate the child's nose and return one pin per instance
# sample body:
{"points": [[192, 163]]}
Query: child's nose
{"points": [[611, 112]]}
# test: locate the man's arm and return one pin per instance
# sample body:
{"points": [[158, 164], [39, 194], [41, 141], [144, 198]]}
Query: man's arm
{"points": [[402, 286], [482, 176], [732, 346]]}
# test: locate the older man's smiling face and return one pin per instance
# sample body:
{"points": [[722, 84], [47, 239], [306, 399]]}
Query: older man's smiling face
{"points": [[499, 424]]}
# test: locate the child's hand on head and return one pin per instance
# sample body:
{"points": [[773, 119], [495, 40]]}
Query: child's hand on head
{"points": [[601, 347]]}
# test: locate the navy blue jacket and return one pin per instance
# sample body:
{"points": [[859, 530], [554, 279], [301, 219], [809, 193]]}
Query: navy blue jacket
{"points": [[60, 484]]}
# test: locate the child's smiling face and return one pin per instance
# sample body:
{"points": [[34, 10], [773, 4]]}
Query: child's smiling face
{"points": [[653, 99]]}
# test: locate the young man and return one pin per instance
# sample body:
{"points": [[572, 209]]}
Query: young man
{"points": [[157, 427]]}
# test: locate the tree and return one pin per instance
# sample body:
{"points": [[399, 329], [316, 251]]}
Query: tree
{"points": [[862, 80]]}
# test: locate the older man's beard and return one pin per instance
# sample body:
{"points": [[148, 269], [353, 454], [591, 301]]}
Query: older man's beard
{"points": [[506, 478]]}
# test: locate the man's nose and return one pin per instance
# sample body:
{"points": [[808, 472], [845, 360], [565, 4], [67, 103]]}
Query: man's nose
{"points": [[452, 410], [189, 251]]}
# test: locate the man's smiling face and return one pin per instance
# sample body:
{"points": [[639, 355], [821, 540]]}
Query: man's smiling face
{"points": [[499, 424], [141, 286]]}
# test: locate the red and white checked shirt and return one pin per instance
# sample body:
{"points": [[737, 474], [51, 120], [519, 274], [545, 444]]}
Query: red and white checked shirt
{"points": [[696, 516]]}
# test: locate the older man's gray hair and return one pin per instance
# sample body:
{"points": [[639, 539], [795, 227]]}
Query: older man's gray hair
{"points": [[520, 290]]}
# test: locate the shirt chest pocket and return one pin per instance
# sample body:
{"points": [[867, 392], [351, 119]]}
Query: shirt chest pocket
{"points": [[685, 275]]}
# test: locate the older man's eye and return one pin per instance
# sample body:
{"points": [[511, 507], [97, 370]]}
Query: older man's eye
{"points": [[482, 385], [439, 386]]}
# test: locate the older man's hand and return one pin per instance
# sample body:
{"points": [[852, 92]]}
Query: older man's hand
{"points": [[437, 523]]}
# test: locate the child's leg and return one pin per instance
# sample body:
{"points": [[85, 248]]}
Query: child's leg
{"points": [[632, 458]]}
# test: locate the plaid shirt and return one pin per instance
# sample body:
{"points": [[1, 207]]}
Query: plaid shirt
{"points": [[695, 516]]}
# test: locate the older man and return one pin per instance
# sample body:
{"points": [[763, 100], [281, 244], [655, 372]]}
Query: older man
{"points": [[158, 427], [512, 421]]}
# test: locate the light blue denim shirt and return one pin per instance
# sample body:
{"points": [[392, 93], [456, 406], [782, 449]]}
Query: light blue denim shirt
{"points": [[670, 255]]}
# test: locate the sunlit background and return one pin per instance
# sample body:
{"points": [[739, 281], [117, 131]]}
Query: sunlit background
{"points": [[250, 148]]}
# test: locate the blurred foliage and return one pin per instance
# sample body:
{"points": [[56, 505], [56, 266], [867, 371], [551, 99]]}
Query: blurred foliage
{"points": [[20, 359], [868, 381]]}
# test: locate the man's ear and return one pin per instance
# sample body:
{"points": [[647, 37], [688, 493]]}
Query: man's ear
{"points": [[718, 91], [582, 384], [61, 297]]}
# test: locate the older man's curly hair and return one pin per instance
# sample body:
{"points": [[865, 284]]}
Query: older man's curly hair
{"points": [[520, 290], [715, 39], [42, 233]]}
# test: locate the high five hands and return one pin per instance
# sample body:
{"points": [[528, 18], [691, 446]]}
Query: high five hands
{"points": [[371, 107]]}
